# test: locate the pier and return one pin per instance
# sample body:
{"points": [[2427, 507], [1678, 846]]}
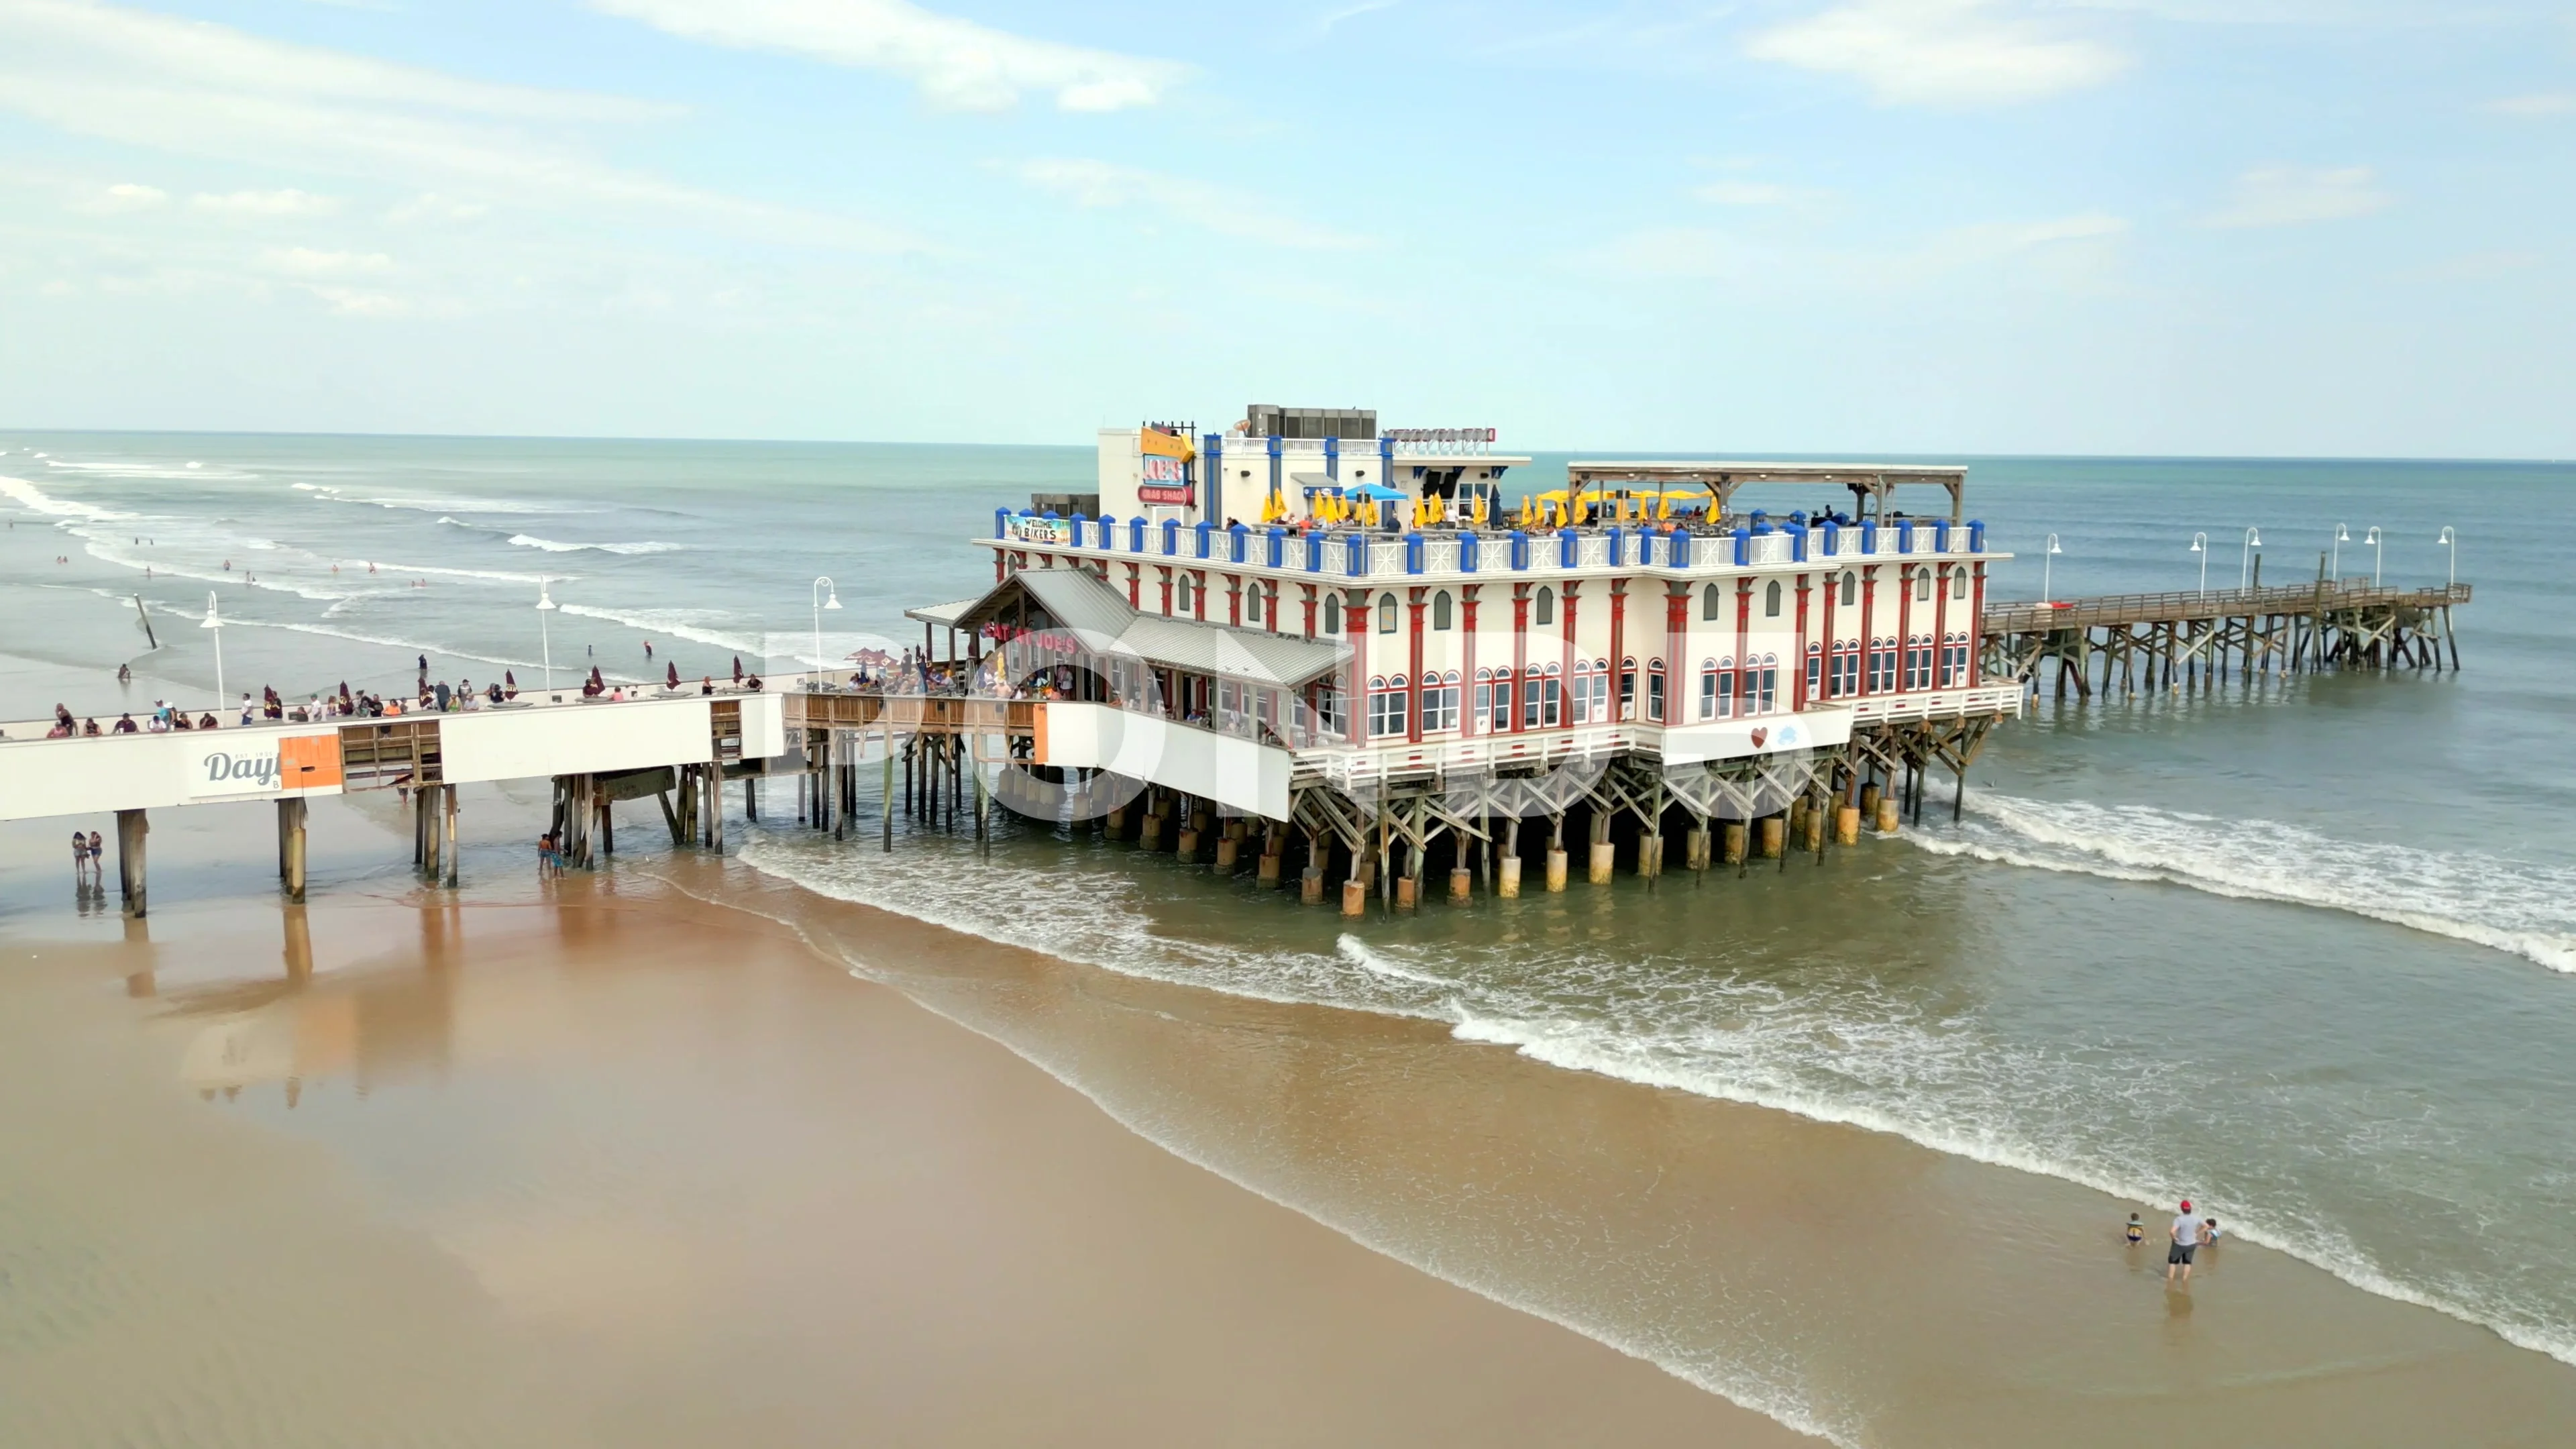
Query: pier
{"points": [[2189, 638], [1391, 687]]}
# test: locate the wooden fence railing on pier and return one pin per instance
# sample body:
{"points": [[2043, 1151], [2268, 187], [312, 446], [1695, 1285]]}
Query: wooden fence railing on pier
{"points": [[2193, 636]]}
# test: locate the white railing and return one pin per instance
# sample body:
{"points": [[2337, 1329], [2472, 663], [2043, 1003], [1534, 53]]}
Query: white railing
{"points": [[1770, 548]]}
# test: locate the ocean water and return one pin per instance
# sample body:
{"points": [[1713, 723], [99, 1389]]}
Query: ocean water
{"points": [[2300, 949]]}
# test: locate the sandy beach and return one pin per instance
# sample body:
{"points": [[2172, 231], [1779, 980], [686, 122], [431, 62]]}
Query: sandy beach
{"points": [[674, 1153], [620, 1168]]}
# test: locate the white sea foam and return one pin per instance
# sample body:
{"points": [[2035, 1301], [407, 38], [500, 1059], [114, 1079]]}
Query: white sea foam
{"points": [[694, 625], [2527, 908], [473, 505], [1852, 1054], [551, 546], [192, 472], [36, 500]]}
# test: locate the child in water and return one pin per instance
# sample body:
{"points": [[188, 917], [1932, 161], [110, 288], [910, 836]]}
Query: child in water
{"points": [[2137, 1231]]}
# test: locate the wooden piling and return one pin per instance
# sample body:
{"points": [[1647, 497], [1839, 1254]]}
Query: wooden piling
{"points": [[131, 827]]}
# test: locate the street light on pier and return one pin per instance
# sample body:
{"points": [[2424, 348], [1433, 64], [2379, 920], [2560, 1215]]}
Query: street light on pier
{"points": [[2045, 561], [2200, 545], [2245, 569], [546, 605], [2378, 548], [2342, 536], [215, 622], [826, 597], [2451, 541]]}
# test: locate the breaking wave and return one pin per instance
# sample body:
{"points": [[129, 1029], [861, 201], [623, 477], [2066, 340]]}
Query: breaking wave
{"points": [[2526, 908]]}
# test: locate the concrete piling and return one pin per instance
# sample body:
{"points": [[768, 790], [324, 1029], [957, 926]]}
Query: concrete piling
{"points": [[1775, 836], [1847, 825], [1461, 882], [1509, 887], [1733, 838], [1354, 898], [1887, 815], [1556, 870], [1310, 886]]}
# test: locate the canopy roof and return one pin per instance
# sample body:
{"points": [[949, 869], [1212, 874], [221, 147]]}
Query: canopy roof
{"points": [[1075, 601], [1721, 479]]}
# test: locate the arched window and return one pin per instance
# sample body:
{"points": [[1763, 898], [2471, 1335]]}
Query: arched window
{"points": [[1717, 688], [1761, 684], [1712, 603], [1582, 703], [1332, 613], [1389, 707], [1851, 588], [1545, 613], [1439, 701], [1600, 691], [1440, 607], [1882, 665], [1183, 594], [1552, 697], [1846, 672], [1923, 585], [1386, 613], [1771, 600], [1655, 691], [1815, 670], [1958, 583], [1500, 721], [1484, 695], [1252, 605], [1628, 688]]}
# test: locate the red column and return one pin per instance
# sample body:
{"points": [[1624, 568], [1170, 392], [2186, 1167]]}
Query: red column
{"points": [[1618, 642], [1573, 652], [1468, 725], [1355, 618], [1825, 682], [1743, 639], [1309, 591], [1940, 623], [1676, 621], [1798, 666], [1868, 614], [1166, 573], [1413, 670], [1133, 580], [1198, 594], [1904, 620], [1976, 621], [1520, 651], [1234, 600]]}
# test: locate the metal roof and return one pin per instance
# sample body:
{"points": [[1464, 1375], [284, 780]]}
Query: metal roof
{"points": [[1078, 601]]}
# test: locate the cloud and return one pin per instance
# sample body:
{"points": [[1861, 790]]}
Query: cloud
{"points": [[207, 90], [2555, 104], [288, 202], [125, 196], [1757, 193], [2293, 196], [1939, 52], [1710, 254], [429, 206], [1106, 185], [308, 262], [957, 64], [1325, 24]]}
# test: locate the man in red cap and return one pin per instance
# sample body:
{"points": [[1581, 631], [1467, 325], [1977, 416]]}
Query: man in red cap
{"points": [[2186, 1241]]}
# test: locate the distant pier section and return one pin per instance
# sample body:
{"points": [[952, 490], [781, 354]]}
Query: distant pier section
{"points": [[2173, 640]]}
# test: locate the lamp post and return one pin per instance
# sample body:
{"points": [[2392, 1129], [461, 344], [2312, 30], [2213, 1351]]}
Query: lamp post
{"points": [[2334, 571], [215, 622], [2046, 561], [546, 605], [825, 597], [2200, 545], [2245, 569], [2378, 548], [2451, 541]]}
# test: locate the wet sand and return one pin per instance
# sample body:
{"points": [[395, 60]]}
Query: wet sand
{"points": [[620, 1169], [655, 1156]]}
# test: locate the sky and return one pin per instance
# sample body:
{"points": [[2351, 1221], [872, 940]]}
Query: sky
{"points": [[2237, 227]]}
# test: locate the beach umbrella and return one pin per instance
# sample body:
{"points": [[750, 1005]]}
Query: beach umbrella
{"points": [[671, 679], [737, 669], [595, 679], [510, 680]]}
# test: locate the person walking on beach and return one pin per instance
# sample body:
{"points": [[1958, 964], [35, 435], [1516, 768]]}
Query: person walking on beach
{"points": [[97, 860], [80, 859], [2186, 1234]]}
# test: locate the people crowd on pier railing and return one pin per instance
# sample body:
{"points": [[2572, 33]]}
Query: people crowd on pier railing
{"points": [[426, 696]]}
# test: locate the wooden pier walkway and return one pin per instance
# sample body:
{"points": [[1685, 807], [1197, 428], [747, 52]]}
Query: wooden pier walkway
{"points": [[2161, 641]]}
